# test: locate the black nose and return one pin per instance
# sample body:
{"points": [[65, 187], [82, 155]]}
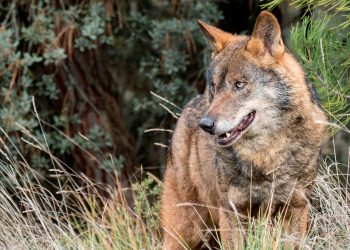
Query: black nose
{"points": [[207, 124]]}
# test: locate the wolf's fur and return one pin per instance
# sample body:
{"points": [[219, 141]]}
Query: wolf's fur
{"points": [[274, 160]]}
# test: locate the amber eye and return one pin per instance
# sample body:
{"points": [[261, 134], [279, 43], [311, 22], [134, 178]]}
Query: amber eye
{"points": [[211, 85], [239, 85]]}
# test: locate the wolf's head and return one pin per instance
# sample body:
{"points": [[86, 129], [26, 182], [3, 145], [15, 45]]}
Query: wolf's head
{"points": [[252, 83]]}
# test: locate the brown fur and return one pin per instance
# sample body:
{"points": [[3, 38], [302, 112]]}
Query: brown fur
{"points": [[271, 167]]}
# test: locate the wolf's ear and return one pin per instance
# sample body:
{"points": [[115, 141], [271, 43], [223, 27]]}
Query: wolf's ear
{"points": [[218, 39], [266, 36]]}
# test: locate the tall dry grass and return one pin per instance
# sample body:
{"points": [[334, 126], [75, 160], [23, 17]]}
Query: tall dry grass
{"points": [[66, 210]]}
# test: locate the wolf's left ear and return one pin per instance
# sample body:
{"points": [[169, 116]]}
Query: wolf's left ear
{"points": [[218, 38], [266, 36]]}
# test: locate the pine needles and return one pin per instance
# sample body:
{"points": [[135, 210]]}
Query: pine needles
{"points": [[324, 53]]}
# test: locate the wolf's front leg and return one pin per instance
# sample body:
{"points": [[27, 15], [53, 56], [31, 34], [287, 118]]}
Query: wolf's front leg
{"points": [[231, 230], [298, 223], [295, 225], [183, 220], [183, 227]]}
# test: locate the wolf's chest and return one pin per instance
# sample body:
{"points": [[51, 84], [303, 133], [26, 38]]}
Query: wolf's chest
{"points": [[249, 188], [248, 196]]}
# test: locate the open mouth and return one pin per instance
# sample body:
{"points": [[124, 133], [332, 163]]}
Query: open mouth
{"points": [[231, 136]]}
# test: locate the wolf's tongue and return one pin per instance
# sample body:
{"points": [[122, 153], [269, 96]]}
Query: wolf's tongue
{"points": [[242, 125]]}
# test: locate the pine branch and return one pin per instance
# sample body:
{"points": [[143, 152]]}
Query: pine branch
{"points": [[341, 7]]}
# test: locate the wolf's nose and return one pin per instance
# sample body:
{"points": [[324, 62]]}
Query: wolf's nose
{"points": [[207, 124]]}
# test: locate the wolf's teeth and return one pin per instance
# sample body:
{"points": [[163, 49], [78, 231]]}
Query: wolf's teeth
{"points": [[228, 134]]}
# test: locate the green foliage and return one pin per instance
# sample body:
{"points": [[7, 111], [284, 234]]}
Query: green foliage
{"points": [[324, 53], [92, 28], [338, 7], [27, 54], [146, 201]]}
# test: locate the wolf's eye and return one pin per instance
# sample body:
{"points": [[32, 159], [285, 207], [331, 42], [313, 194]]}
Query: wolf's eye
{"points": [[211, 91], [239, 85], [211, 86]]}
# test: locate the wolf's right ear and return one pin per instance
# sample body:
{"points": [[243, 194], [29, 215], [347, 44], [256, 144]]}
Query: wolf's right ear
{"points": [[218, 38], [266, 36]]}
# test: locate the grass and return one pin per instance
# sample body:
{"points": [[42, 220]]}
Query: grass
{"points": [[72, 213], [75, 216]]}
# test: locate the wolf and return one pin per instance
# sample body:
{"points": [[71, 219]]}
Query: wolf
{"points": [[250, 143]]}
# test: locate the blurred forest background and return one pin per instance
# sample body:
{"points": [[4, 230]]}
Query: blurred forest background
{"points": [[91, 90], [100, 83]]}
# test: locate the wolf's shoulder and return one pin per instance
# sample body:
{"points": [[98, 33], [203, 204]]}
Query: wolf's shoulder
{"points": [[186, 128], [193, 111], [188, 123], [197, 103]]}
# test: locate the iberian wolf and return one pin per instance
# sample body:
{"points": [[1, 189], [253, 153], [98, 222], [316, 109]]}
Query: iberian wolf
{"points": [[249, 144]]}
